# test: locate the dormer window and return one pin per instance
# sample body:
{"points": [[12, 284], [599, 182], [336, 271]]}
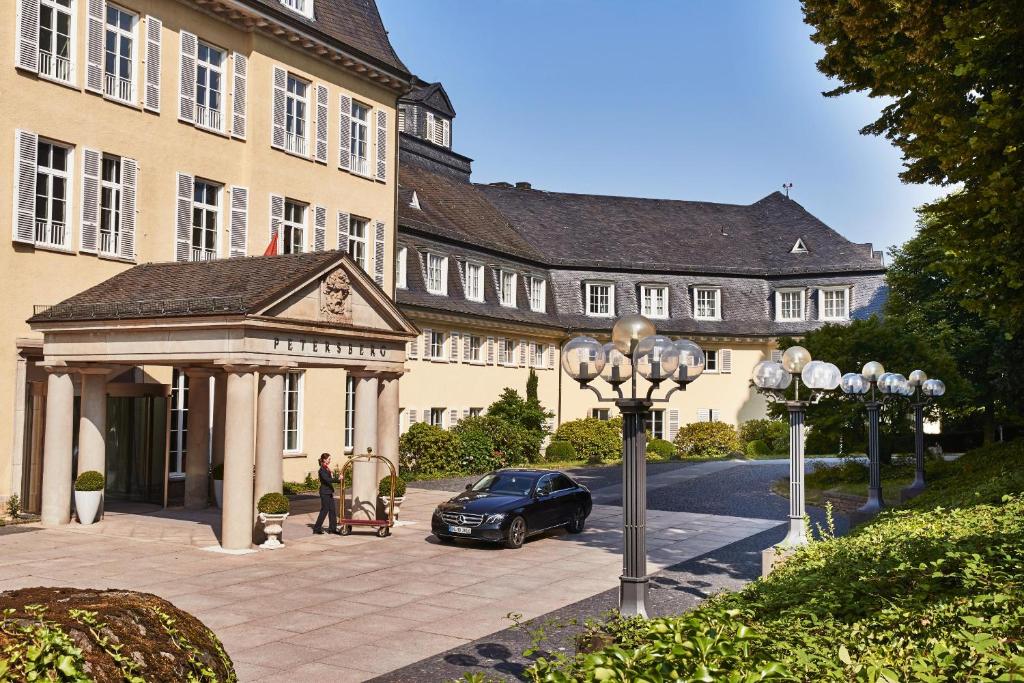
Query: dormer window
{"points": [[437, 274], [834, 303], [439, 130], [303, 7], [537, 288], [654, 301], [507, 288], [707, 303], [789, 305], [600, 299], [474, 281]]}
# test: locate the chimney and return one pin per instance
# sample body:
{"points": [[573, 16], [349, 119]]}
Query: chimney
{"points": [[523, 185]]}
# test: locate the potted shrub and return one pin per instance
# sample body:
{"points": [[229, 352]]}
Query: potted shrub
{"points": [[273, 509], [88, 496], [218, 485], [384, 491]]}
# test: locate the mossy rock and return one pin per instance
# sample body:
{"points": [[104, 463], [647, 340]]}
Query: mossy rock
{"points": [[106, 636]]}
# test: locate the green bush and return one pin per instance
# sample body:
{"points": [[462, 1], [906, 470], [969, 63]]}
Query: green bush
{"points": [[595, 440], [13, 506], [755, 448], [560, 451], [664, 450], [707, 440], [488, 443], [430, 451], [218, 472], [89, 481], [384, 488], [273, 504], [774, 434]]}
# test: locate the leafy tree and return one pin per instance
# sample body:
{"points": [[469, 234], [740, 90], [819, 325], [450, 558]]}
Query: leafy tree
{"points": [[512, 407], [531, 387], [951, 73]]}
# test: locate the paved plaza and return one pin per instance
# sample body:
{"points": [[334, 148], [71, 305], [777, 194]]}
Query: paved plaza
{"points": [[327, 608]]}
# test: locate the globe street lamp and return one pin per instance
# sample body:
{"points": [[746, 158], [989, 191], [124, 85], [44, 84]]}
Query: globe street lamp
{"points": [[772, 379], [922, 392], [635, 350]]}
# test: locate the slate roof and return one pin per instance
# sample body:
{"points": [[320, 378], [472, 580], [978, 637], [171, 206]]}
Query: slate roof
{"points": [[354, 23], [432, 95], [219, 287]]}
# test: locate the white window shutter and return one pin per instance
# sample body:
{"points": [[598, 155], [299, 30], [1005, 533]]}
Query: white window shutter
{"points": [[151, 97], [466, 348], [716, 415], [502, 351], [413, 348], [426, 344], [776, 356], [465, 413], [673, 424], [703, 415], [96, 13], [129, 185], [551, 357], [183, 218], [413, 417], [277, 122], [343, 223], [27, 50], [187, 80], [345, 133], [490, 351], [239, 93], [319, 228], [523, 353], [239, 221], [26, 147], [91, 160], [453, 347], [453, 417], [531, 355], [430, 127], [321, 123], [378, 254], [725, 360], [276, 214], [382, 144]]}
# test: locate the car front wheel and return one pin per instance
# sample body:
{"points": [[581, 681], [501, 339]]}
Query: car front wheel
{"points": [[578, 521], [516, 533]]}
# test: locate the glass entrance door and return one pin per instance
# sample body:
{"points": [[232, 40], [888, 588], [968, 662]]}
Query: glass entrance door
{"points": [[136, 444]]}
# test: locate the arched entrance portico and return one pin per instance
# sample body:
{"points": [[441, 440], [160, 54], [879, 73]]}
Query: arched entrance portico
{"points": [[245, 322]]}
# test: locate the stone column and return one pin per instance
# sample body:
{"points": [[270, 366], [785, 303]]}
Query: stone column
{"points": [[197, 453], [220, 401], [270, 433], [60, 407], [237, 518], [387, 423], [92, 424], [364, 474]]}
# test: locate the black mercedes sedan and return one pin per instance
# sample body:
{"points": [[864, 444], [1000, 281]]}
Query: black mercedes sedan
{"points": [[509, 505]]}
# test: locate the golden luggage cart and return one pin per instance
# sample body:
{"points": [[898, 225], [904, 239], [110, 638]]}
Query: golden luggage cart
{"points": [[383, 526]]}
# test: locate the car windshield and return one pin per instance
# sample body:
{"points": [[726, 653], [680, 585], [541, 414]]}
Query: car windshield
{"points": [[506, 483]]}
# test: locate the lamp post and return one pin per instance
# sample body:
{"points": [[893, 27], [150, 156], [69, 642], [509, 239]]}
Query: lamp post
{"points": [[635, 349], [922, 391], [772, 379], [873, 387]]}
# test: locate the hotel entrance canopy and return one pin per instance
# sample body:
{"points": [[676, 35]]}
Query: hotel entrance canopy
{"points": [[250, 319]]}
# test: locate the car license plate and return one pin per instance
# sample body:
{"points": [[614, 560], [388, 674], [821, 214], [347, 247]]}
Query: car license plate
{"points": [[460, 530]]}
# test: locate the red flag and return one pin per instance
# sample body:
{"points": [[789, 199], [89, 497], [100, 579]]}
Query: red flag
{"points": [[272, 247]]}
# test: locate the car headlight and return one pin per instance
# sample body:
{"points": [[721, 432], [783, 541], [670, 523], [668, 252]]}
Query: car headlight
{"points": [[495, 518]]}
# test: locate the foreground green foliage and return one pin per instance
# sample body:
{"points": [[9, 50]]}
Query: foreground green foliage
{"points": [[707, 440], [933, 592], [769, 437], [273, 504], [594, 440], [89, 481]]}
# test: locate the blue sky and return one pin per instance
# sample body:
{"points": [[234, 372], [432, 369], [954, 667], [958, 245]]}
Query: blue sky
{"points": [[710, 101]]}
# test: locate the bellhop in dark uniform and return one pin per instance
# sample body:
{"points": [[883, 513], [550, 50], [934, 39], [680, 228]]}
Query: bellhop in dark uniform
{"points": [[327, 508]]}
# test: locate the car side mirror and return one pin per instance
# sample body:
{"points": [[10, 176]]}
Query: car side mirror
{"points": [[469, 486]]}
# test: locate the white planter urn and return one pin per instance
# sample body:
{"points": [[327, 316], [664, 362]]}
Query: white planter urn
{"points": [[273, 525], [398, 504], [87, 504], [218, 492]]}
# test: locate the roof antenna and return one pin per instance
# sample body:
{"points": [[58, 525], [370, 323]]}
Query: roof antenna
{"points": [[786, 187]]}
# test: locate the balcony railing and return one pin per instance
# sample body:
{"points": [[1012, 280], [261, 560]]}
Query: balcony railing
{"points": [[108, 243], [208, 118], [295, 144], [51, 233], [54, 66], [200, 254], [119, 88], [360, 165]]}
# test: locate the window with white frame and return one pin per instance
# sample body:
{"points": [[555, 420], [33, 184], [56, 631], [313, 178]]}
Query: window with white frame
{"points": [[475, 354], [359, 144], [600, 413], [710, 360], [294, 227], [210, 87], [293, 382], [56, 24], [538, 355], [507, 351], [507, 287], [303, 7], [600, 299], [119, 54], [537, 288], [357, 241], [474, 281], [206, 202], [296, 113], [110, 205], [655, 423], [350, 412], [835, 304], [436, 417], [53, 174], [789, 304], [437, 345], [707, 303], [437, 268], [654, 301], [401, 272], [179, 424]]}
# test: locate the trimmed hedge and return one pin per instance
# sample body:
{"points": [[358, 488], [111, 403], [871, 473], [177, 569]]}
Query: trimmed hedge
{"points": [[664, 450], [707, 440], [560, 451], [593, 439], [273, 504], [90, 480], [428, 450]]}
